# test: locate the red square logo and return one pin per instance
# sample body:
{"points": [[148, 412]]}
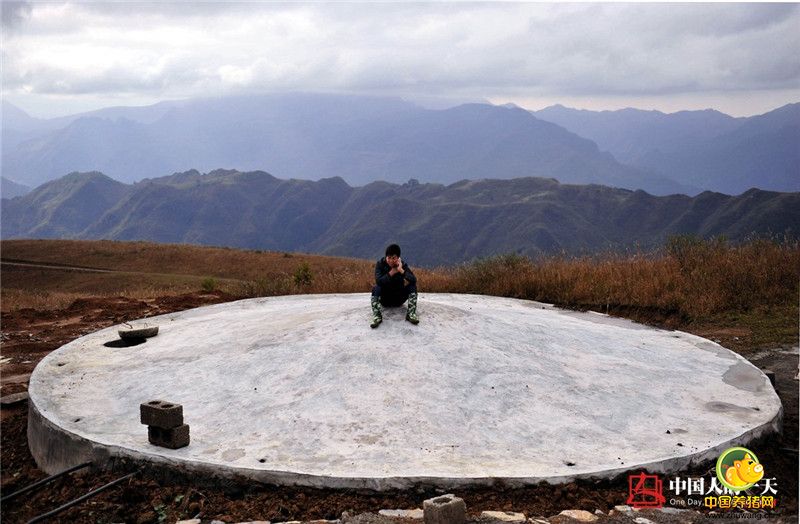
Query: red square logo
{"points": [[645, 491]]}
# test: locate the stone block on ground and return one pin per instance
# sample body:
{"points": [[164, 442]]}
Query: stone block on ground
{"points": [[672, 511], [172, 438], [14, 398], [402, 513], [444, 509], [504, 516], [579, 514], [161, 413]]}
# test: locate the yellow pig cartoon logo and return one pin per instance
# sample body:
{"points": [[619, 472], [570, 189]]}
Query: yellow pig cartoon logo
{"points": [[738, 468], [745, 471]]}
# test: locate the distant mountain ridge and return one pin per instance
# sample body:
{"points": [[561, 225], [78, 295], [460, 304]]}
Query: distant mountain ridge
{"points": [[706, 149], [362, 139], [438, 224], [10, 189]]}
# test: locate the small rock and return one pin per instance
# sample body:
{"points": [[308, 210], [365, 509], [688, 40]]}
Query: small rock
{"points": [[598, 512], [504, 516], [402, 513], [190, 521], [579, 514], [623, 509], [254, 522], [538, 521], [445, 509], [642, 520], [672, 511], [14, 398]]}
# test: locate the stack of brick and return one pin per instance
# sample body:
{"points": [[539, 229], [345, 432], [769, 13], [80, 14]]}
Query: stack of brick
{"points": [[165, 425]]}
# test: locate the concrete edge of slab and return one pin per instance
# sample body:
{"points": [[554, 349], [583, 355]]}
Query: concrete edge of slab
{"points": [[55, 449]]}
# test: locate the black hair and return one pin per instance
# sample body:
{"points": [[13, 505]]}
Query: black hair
{"points": [[393, 249]]}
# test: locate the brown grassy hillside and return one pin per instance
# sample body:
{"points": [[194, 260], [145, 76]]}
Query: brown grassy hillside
{"points": [[145, 269], [689, 283]]}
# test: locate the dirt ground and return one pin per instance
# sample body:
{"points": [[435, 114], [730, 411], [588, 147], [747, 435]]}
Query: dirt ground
{"points": [[151, 496]]}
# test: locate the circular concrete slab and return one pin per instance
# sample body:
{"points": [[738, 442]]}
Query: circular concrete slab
{"points": [[300, 390]]}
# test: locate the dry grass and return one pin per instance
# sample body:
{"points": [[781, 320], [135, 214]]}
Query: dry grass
{"points": [[148, 270], [689, 279], [176, 259]]}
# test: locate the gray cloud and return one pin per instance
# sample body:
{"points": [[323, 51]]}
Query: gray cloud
{"points": [[14, 13], [491, 50]]}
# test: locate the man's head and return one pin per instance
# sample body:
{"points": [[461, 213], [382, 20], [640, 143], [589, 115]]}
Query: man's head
{"points": [[392, 254]]}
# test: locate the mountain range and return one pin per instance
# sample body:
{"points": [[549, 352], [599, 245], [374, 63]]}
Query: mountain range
{"points": [[365, 139], [705, 149], [10, 189], [435, 223]]}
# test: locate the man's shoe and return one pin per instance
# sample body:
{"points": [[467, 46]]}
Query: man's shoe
{"points": [[411, 316], [377, 315]]}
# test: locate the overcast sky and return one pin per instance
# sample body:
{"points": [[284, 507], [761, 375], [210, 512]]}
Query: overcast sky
{"points": [[64, 57]]}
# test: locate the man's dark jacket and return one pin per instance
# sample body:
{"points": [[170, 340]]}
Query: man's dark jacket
{"points": [[393, 287]]}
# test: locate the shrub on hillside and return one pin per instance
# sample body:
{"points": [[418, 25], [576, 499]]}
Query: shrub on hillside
{"points": [[208, 284], [303, 275]]}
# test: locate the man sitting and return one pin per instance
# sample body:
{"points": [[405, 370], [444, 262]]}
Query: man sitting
{"points": [[394, 284]]}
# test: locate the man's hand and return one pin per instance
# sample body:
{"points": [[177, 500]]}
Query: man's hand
{"points": [[399, 266]]}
